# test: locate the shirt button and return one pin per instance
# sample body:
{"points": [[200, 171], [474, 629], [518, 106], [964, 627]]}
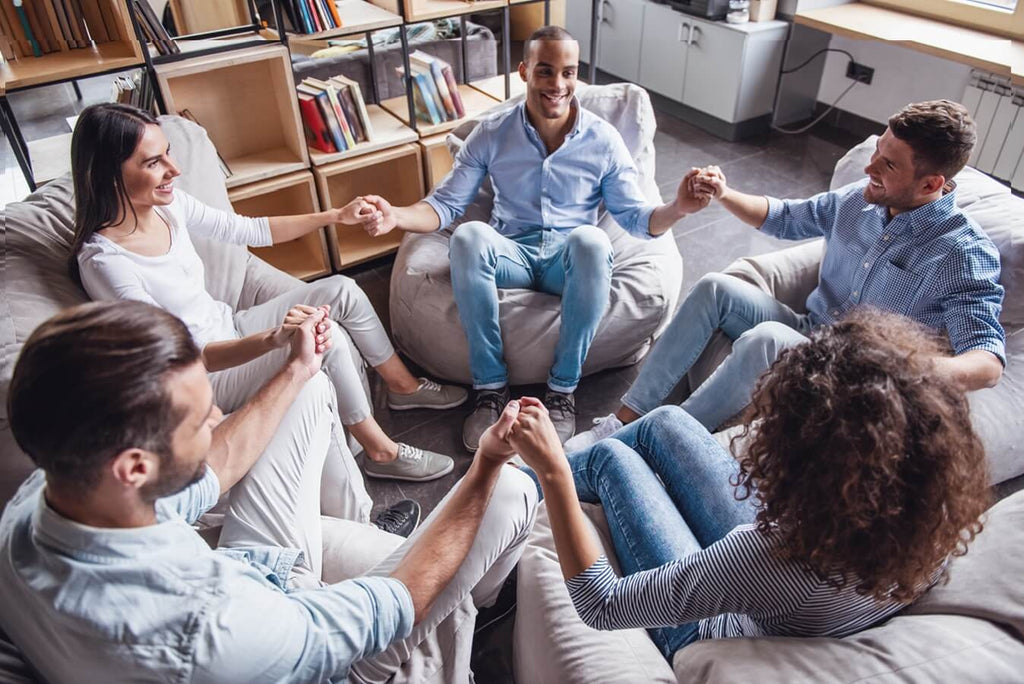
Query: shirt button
{"points": [[856, 293], [835, 312], [886, 238], [867, 264]]}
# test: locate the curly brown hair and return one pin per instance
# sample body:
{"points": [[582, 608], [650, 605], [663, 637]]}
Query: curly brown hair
{"points": [[863, 458]]}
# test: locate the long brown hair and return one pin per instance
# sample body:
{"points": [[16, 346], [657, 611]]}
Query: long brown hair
{"points": [[864, 458], [105, 136]]}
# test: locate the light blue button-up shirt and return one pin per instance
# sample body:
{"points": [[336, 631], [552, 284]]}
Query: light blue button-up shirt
{"points": [[156, 604], [534, 189], [933, 264]]}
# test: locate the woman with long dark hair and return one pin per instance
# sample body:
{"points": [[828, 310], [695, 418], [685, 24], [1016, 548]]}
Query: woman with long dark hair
{"points": [[858, 477], [132, 228]]}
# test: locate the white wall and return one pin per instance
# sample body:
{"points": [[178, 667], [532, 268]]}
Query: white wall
{"points": [[901, 76]]}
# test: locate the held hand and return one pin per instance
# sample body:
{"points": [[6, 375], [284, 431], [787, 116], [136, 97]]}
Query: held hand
{"points": [[281, 335], [711, 180], [692, 196], [535, 439], [308, 344], [382, 219], [355, 212], [494, 446]]}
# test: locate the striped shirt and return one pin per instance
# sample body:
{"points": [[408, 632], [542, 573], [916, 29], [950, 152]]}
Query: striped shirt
{"points": [[735, 587], [933, 264]]}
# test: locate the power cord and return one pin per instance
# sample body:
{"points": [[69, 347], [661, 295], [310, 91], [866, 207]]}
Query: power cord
{"points": [[818, 119]]}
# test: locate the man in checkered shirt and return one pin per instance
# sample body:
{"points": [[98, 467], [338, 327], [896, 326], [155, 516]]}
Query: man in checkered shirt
{"points": [[894, 240]]}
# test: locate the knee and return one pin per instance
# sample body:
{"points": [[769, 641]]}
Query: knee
{"points": [[515, 499], [590, 245], [470, 240], [343, 294], [316, 396], [711, 285], [768, 339]]}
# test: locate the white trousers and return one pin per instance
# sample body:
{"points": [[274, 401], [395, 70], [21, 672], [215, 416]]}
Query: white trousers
{"points": [[277, 504], [343, 493]]}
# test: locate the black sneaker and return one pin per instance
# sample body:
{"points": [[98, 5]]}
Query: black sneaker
{"points": [[487, 409], [401, 519], [562, 410]]}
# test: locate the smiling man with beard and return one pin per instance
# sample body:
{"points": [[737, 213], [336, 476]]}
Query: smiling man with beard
{"points": [[895, 240], [551, 164]]}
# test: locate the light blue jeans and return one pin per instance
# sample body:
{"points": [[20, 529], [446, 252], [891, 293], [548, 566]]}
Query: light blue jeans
{"points": [[664, 484], [760, 327], [576, 265]]}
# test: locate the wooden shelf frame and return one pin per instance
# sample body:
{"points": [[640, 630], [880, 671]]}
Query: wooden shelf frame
{"points": [[357, 16], [437, 160], [306, 257], [396, 172], [474, 101], [246, 102]]}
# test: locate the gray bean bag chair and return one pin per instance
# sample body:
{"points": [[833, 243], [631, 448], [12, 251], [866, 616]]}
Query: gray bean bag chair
{"points": [[998, 413], [645, 281]]}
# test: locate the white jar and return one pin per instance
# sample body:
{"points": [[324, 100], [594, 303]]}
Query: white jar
{"points": [[739, 12]]}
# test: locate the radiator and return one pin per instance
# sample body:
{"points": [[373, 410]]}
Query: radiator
{"points": [[998, 111]]}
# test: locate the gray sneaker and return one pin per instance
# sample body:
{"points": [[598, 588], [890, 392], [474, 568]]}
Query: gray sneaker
{"points": [[412, 464], [429, 395], [562, 410], [489, 405]]}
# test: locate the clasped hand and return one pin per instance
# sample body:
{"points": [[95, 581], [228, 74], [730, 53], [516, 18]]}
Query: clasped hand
{"points": [[698, 187], [524, 427], [374, 213]]}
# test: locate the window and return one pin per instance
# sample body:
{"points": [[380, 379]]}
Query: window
{"points": [[1004, 17]]}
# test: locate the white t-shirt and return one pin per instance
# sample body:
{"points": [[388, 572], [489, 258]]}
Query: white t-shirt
{"points": [[174, 281]]}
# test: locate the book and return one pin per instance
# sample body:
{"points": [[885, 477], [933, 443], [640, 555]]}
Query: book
{"points": [[6, 49], [339, 112], [357, 98], [431, 86], [307, 21], [83, 31], [53, 25], [114, 29], [436, 67], [333, 7], [225, 169], [11, 30], [351, 113], [65, 27], [162, 40], [94, 20], [27, 29], [453, 88], [317, 134], [315, 15], [323, 101], [76, 30], [45, 30], [423, 101], [37, 28]]}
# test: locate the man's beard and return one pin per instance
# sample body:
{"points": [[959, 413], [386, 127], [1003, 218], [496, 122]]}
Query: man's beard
{"points": [[173, 479]]}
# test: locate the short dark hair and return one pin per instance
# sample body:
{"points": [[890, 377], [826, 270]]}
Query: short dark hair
{"points": [[105, 136], [940, 132], [545, 33], [90, 383]]}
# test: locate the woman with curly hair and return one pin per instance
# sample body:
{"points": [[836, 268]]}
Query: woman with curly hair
{"points": [[858, 477]]}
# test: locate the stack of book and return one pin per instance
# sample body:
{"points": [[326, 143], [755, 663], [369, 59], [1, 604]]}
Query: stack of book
{"points": [[152, 28], [334, 114], [32, 28], [134, 90], [434, 90], [312, 16]]}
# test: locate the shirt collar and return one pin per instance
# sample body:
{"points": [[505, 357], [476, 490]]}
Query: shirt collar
{"points": [[926, 216], [577, 127]]}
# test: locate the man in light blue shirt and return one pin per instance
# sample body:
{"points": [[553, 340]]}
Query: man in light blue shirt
{"points": [[551, 164], [102, 577], [895, 241]]}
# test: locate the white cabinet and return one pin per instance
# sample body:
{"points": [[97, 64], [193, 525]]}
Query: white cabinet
{"points": [[663, 51], [622, 23], [714, 70]]}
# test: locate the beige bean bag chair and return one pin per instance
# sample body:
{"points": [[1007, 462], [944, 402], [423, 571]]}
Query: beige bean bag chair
{"points": [[645, 281]]}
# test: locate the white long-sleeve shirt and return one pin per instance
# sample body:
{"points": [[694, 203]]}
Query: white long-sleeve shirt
{"points": [[174, 281]]}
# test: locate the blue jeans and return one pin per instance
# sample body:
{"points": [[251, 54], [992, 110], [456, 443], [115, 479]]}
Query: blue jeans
{"points": [[760, 327], [664, 484], [576, 265]]}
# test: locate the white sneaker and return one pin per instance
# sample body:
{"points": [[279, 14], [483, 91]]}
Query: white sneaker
{"points": [[603, 427]]}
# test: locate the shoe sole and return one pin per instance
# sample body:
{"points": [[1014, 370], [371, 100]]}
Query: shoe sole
{"points": [[470, 449], [429, 478], [439, 407]]}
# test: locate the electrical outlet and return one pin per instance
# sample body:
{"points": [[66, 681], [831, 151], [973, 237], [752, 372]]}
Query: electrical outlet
{"points": [[859, 72]]}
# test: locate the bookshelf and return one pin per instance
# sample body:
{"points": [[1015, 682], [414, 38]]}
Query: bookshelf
{"points": [[475, 102], [397, 172], [306, 257], [200, 16], [357, 16], [388, 131], [425, 10], [437, 160], [245, 100], [495, 86]]}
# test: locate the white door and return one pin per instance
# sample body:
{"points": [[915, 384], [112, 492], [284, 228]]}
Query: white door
{"points": [[663, 50], [714, 66], [619, 49], [577, 22]]}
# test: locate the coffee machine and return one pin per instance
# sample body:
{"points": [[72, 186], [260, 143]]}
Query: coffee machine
{"points": [[707, 9]]}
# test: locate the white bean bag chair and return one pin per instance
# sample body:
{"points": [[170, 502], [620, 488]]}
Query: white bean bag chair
{"points": [[645, 282]]}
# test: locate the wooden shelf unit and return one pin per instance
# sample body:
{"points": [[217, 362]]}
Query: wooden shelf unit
{"points": [[357, 16], [388, 131], [306, 257], [124, 53], [246, 102], [437, 160], [495, 86], [425, 10], [396, 173], [473, 100], [200, 16]]}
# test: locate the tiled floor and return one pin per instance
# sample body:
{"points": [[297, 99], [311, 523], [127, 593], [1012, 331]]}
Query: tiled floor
{"points": [[776, 164]]}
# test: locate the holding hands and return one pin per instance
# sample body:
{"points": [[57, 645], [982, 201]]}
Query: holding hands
{"points": [[373, 212], [524, 428]]}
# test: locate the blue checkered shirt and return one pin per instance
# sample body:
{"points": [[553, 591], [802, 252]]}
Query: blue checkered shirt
{"points": [[933, 264]]}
